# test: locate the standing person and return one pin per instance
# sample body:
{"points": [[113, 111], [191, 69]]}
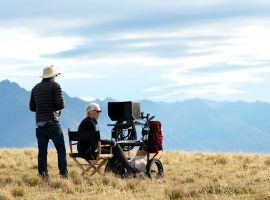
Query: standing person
{"points": [[47, 101], [89, 149]]}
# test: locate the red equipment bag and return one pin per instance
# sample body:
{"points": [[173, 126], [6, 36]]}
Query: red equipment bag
{"points": [[155, 137]]}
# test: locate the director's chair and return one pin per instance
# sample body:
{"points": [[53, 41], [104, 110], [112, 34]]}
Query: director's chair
{"points": [[83, 162]]}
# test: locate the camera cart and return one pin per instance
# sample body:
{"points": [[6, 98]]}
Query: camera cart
{"points": [[128, 119]]}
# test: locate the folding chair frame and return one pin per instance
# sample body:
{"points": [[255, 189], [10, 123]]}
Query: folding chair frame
{"points": [[91, 166]]}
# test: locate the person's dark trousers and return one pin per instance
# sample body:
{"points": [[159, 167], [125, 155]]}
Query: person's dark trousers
{"points": [[118, 153], [43, 134]]}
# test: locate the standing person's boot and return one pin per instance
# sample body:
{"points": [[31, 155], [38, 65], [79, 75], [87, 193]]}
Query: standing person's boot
{"points": [[45, 176], [64, 176]]}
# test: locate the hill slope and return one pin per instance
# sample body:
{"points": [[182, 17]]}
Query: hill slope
{"points": [[187, 176]]}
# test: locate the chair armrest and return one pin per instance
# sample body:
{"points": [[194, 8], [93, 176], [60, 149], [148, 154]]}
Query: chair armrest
{"points": [[103, 145]]}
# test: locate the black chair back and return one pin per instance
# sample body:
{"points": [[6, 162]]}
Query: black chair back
{"points": [[84, 136]]}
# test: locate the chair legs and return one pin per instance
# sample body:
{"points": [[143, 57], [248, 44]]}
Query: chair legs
{"points": [[93, 166]]}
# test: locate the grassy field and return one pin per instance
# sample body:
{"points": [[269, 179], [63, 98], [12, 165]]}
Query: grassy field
{"points": [[187, 176]]}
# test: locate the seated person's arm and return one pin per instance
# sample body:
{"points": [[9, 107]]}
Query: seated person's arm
{"points": [[108, 142]]}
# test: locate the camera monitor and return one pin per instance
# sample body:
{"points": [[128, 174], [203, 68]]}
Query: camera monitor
{"points": [[123, 111]]}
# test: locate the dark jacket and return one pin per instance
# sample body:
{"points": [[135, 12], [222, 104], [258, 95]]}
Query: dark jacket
{"points": [[47, 100], [88, 149], [88, 126]]}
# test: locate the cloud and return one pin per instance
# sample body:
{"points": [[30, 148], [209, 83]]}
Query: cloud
{"points": [[88, 99], [203, 91], [160, 49], [205, 84], [92, 18], [77, 75], [26, 44], [228, 37]]}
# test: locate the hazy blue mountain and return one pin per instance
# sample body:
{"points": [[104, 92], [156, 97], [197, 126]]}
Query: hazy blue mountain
{"points": [[216, 126], [195, 124], [17, 122]]}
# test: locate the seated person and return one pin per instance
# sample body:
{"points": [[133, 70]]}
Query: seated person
{"points": [[89, 148]]}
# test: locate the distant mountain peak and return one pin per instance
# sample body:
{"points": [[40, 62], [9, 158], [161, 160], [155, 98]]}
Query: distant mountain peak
{"points": [[7, 82], [7, 85]]}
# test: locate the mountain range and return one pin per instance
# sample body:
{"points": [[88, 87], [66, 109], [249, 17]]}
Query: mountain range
{"points": [[193, 125]]}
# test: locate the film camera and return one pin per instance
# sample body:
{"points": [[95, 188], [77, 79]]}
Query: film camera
{"points": [[128, 118]]}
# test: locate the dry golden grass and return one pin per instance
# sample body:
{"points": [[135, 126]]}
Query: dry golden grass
{"points": [[187, 176]]}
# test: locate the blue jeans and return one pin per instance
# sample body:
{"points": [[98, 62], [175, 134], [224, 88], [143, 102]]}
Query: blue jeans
{"points": [[43, 134]]}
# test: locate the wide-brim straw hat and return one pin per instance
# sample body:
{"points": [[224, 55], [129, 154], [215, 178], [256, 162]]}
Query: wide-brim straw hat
{"points": [[49, 72]]}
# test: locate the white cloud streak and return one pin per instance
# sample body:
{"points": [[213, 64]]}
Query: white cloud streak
{"points": [[220, 55], [27, 44]]}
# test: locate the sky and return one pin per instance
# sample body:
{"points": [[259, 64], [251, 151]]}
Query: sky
{"points": [[140, 49]]}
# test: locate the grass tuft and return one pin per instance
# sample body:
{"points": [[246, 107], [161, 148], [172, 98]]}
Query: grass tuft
{"points": [[76, 177], [177, 192], [225, 189], [187, 180], [17, 191], [5, 195], [267, 162], [32, 180], [64, 184]]}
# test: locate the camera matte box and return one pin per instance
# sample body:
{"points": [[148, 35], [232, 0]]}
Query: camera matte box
{"points": [[122, 111]]}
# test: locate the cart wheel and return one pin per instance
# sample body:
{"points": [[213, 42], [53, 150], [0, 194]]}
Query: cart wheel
{"points": [[154, 169]]}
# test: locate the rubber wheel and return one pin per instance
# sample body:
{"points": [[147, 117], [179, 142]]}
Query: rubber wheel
{"points": [[154, 169]]}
